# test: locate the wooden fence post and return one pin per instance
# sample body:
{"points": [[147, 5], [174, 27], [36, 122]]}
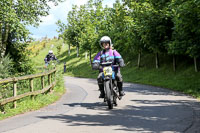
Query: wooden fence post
{"points": [[54, 75], [42, 82], [31, 88], [15, 92], [49, 80]]}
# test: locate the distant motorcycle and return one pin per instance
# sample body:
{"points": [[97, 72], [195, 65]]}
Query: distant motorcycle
{"points": [[51, 64], [110, 85]]}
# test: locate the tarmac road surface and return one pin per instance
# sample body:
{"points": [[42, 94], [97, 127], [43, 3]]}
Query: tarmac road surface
{"points": [[143, 109]]}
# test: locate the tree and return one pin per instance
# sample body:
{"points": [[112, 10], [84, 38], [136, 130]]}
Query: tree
{"points": [[15, 16], [186, 33], [154, 23], [72, 28]]}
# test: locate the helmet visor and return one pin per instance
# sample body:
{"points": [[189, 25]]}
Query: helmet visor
{"points": [[105, 42]]}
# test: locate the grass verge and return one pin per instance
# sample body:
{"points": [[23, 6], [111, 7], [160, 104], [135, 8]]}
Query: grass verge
{"points": [[184, 80], [27, 104], [42, 100]]}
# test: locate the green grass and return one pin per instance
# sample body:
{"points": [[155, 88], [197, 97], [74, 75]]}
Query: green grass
{"points": [[27, 104], [183, 80], [39, 59], [186, 81]]}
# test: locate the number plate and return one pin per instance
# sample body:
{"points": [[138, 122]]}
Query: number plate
{"points": [[107, 71]]}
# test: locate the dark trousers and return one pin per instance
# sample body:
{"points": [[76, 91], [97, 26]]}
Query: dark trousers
{"points": [[118, 78]]}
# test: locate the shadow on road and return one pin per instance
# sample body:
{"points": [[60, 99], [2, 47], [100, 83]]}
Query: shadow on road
{"points": [[141, 115], [94, 106], [144, 89], [159, 118], [149, 90]]}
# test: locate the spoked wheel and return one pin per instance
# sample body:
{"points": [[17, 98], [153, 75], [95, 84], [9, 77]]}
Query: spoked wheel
{"points": [[109, 96]]}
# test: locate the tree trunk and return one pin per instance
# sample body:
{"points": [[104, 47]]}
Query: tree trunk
{"points": [[90, 57], [174, 63], [157, 61], [69, 49], [139, 59], [1, 41], [3, 38], [195, 64], [77, 49], [86, 55]]}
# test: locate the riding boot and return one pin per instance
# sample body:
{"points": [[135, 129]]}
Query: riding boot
{"points": [[102, 93], [121, 92]]}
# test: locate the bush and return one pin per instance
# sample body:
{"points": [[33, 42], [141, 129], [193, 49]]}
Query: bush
{"points": [[22, 64], [6, 66]]}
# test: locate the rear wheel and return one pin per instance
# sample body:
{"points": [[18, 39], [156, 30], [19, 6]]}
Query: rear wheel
{"points": [[109, 95]]}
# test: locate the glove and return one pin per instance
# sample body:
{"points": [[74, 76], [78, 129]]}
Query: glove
{"points": [[121, 63], [95, 66]]}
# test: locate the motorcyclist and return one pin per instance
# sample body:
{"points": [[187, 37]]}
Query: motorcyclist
{"points": [[49, 57], [107, 54]]}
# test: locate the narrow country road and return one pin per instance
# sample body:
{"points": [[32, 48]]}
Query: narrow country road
{"points": [[143, 109]]}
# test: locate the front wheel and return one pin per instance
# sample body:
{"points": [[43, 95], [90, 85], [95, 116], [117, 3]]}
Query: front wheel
{"points": [[108, 92]]}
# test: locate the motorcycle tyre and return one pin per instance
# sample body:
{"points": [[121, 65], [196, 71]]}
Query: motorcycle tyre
{"points": [[108, 94]]}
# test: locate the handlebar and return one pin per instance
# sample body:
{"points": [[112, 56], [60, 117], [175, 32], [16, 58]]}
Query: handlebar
{"points": [[108, 64]]}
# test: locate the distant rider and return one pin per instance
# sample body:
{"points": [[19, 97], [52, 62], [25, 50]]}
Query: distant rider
{"points": [[49, 57], [107, 54]]}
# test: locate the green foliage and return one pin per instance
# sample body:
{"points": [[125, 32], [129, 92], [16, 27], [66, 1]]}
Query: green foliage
{"points": [[150, 26], [27, 104], [20, 56], [15, 16], [186, 32], [6, 67], [59, 49], [184, 80], [51, 65]]}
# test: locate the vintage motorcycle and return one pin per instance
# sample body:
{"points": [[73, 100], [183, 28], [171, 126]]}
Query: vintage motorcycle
{"points": [[110, 84]]}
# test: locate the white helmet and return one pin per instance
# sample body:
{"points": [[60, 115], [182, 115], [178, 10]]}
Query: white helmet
{"points": [[50, 51], [105, 39]]}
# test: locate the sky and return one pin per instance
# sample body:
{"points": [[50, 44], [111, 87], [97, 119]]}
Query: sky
{"points": [[48, 26]]}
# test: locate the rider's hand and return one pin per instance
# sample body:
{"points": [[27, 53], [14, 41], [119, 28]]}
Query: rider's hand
{"points": [[95, 66], [121, 64]]}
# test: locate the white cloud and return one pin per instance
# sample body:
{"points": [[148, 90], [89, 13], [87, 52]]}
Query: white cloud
{"points": [[48, 20], [109, 3], [60, 11], [36, 37], [48, 26], [78, 2]]}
